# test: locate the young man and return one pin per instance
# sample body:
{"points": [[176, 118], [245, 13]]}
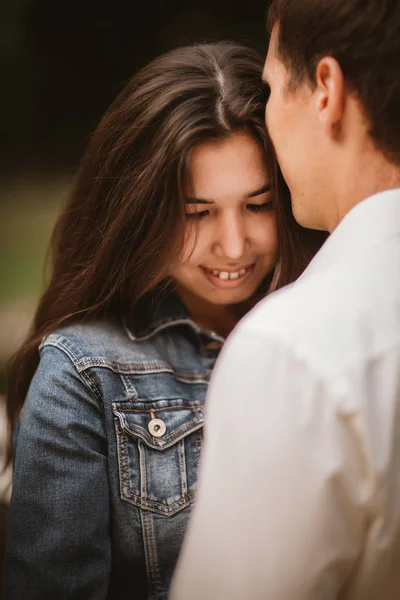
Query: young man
{"points": [[300, 485]]}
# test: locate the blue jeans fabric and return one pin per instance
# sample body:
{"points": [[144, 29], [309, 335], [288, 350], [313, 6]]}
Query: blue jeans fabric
{"points": [[101, 496]]}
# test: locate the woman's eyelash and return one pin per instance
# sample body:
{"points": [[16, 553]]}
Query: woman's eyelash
{"points": [[257, 208], [197, 215]]}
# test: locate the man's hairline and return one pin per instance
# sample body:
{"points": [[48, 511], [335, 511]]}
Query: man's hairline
{"points": [[277, 56], [295, 82]]}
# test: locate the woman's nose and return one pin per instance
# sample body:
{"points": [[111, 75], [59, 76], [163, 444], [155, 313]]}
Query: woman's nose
{"points": [[231, 239]]}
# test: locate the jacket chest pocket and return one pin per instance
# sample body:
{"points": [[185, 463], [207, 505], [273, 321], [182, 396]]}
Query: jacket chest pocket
{"points": [[158, 456]]}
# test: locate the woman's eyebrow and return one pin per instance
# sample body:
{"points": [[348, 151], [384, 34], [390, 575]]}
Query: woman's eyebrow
{"points": [[263, 190], [266, 188], [198, 201]]}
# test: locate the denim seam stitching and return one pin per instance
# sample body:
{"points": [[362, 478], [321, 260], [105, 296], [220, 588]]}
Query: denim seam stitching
{"points": [[124, 367], [74, 359], [61, 346], [150, 554], [199, 408], [134, 368], [129, 388], [92, 385], [142, 501], [156, 573], [198, 445], [121, 456], [182, 467], [159, 507], [175, 432], [142, 470]]}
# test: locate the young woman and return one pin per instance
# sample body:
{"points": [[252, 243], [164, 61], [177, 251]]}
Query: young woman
{"points": [[170, 235]]}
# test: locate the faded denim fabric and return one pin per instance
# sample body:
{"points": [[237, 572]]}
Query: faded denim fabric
{"points": [[102, 495]]}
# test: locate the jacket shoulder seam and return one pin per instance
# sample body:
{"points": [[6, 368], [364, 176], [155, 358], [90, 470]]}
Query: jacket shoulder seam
{"points": [[88, 381]]}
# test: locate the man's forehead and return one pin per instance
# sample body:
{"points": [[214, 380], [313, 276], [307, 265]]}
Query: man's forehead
{"points": [[265, 74], [271, 58], [273, 41]]}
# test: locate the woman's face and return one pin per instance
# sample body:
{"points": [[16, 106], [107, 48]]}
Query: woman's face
{"points": [[231, 238]]}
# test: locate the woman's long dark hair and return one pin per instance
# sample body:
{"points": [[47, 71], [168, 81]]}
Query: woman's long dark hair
{"points": [[123, 228]]}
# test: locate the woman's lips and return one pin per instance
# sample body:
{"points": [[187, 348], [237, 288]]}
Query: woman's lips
{"points": [[229, 279]]}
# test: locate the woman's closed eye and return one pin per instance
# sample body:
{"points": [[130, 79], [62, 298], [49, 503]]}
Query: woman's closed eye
{"points": [[254, 208], [197, 215], [258, 208]]}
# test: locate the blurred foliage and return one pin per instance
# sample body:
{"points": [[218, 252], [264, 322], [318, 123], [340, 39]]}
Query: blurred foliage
{"points": [[26, 221]]}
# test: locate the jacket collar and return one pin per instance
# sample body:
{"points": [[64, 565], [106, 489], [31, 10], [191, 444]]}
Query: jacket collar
{"points": [[162, 311]]}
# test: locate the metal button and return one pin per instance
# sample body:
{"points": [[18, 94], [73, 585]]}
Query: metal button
{"points": [[157, 428]]}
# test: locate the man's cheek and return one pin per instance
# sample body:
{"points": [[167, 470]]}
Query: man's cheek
{"points": [[267, 115], [272, 115]]}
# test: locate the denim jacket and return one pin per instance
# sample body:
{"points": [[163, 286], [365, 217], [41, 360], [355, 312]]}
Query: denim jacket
{"points": [[106, 459]]}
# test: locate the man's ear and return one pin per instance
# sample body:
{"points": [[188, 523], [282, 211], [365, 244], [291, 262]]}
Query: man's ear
{"points": [[330, 95]]}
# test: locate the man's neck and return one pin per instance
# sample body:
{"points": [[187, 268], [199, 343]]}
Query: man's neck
{"points": [[370, 174]]}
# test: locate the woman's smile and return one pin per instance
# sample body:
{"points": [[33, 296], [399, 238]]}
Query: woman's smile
{"points": [[227, 278]]}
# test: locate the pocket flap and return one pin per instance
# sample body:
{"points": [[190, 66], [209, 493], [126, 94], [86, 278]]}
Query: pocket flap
{"points": [[172, 424]]}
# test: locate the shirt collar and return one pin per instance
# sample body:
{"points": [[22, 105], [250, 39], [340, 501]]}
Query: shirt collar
{"points": [[367, 224], [163, 311]]}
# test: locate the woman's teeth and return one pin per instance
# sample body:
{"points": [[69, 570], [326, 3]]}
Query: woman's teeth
{"points": [[225, 275]]}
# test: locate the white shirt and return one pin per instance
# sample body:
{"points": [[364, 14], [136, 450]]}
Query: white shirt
{"points": [[300, 481]]}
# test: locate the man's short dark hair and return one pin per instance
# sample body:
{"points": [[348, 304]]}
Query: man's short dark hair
{"points": [[364, 37]]}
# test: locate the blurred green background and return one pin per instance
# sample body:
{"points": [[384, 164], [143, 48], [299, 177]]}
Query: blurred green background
{"points": [[61, 64]]}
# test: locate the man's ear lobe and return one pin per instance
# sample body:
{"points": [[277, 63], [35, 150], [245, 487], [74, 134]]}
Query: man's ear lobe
{"points": [[330, 88]]}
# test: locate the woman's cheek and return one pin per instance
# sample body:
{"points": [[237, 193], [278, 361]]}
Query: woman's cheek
{"points": [[189, 244], [272, 235]]}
